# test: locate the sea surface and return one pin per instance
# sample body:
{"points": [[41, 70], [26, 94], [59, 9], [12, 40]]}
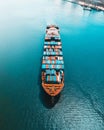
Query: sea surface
{"points": [[22, 30]]}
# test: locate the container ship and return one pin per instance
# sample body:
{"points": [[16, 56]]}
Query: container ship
{"points": [[52, 62]]}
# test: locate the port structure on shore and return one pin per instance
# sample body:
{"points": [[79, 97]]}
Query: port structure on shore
{"points": [[90, 6]]}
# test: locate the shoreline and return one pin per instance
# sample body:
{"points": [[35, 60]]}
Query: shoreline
{"points": [[88, 5]]}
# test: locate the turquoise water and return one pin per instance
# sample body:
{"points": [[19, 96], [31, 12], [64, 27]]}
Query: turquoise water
{"points": [[81, 103]]}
